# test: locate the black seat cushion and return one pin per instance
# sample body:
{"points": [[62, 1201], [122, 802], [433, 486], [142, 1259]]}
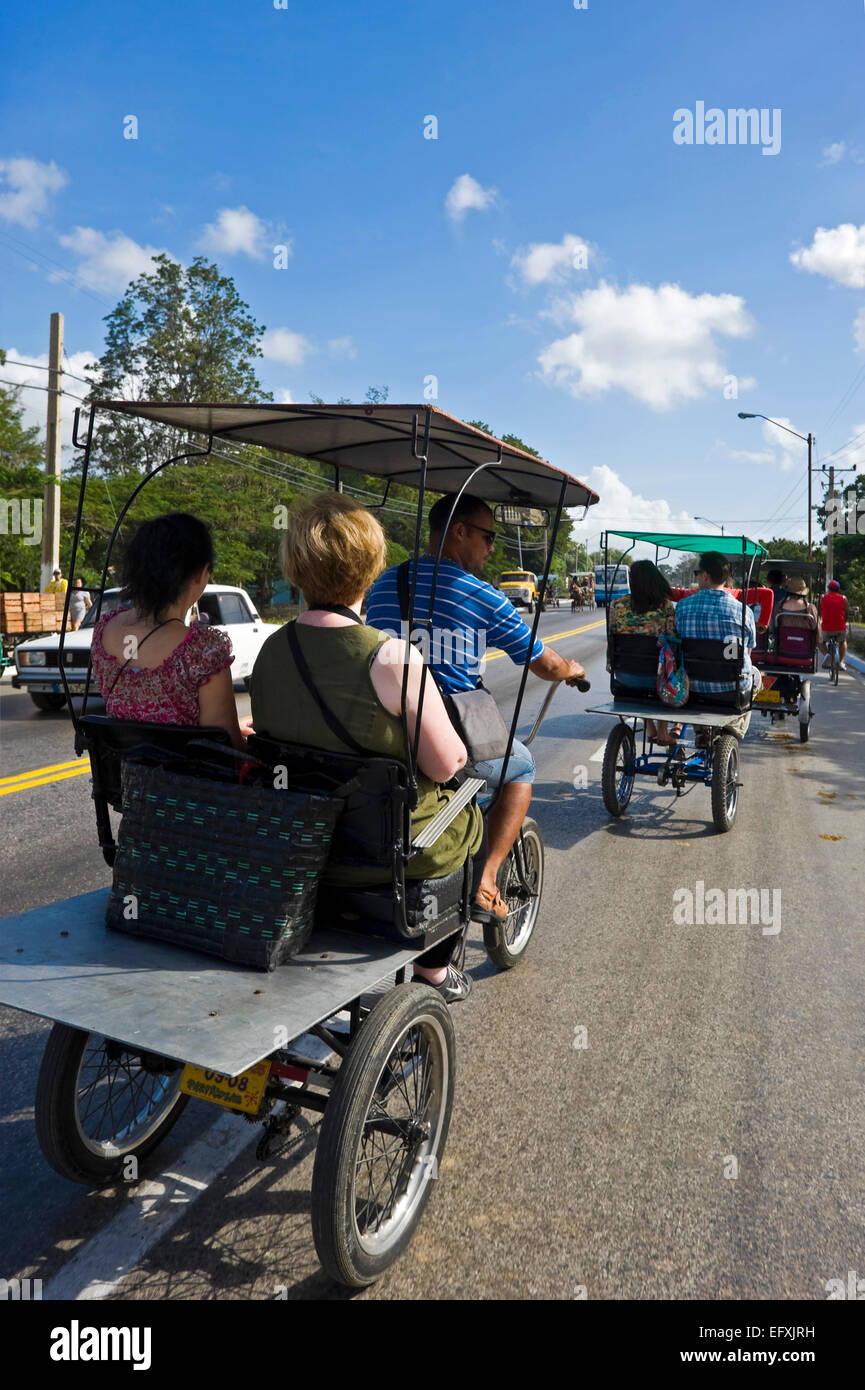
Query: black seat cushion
{"points": [[635, 655]]}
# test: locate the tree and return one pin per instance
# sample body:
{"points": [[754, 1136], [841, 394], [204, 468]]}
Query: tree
{"points": [[180, 333]]}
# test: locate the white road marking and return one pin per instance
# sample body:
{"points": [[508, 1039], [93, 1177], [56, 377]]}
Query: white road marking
{"points": [[100, 1267], [598, 757]]}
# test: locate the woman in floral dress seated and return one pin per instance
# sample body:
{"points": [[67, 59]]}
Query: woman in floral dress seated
{"points": [[648, 610], [182, 675]]}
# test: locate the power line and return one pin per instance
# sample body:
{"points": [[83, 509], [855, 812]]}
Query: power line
{"points": [[31, 386], [38, 367]]}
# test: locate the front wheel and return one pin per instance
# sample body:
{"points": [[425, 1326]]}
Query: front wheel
{"points": [[383, 1134], [617, 773], [520, 883], [804, 712], [47, 700], [99, 1104], [725, 782]]}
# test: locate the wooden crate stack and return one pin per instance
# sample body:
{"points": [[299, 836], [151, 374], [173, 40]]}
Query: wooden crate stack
{"points": [[31, 612]]}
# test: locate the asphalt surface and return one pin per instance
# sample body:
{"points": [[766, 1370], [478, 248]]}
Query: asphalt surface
{"points": [[643, 1109]]}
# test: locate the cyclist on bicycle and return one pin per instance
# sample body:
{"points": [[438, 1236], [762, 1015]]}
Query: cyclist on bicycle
{"points": [[833, 622]]}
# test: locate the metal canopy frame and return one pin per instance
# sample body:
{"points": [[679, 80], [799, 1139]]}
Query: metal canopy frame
{"points": [[444, 452], [749, 550]]}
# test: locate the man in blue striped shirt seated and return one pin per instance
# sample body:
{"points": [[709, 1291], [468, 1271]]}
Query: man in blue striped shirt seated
{"points": [[714, 613], [468, 616]]}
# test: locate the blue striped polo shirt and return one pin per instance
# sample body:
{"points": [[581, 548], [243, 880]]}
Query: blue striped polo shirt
{"points": [[469, 616]]}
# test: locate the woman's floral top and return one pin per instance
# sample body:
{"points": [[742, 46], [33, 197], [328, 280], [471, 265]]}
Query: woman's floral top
{"points": [[624, 619], [167, 694]]}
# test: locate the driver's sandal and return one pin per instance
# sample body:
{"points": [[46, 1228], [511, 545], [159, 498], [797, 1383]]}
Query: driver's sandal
{"points": [[489, 907]]}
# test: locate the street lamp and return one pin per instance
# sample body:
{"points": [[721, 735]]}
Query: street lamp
{"points": [[807, 439], [711, 522]]}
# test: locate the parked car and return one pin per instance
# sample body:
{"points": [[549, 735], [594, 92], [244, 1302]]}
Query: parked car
{"points": [[36, 661]]}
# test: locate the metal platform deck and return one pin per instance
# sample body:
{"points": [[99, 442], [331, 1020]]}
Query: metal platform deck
{"points": [[61, 963], [698, 716]]}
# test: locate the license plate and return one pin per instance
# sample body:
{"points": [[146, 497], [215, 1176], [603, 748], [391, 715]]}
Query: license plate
{"points": [[244, 1092], [75, 688], [768, 697]]}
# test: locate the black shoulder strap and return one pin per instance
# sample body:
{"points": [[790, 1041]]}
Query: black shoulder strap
{"points": [[327, 714]]}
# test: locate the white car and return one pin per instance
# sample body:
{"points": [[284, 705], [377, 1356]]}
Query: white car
{"points": [[36, 661]]}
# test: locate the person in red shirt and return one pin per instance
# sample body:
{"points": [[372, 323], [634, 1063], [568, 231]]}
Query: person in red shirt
{"points": [[833, 621]]}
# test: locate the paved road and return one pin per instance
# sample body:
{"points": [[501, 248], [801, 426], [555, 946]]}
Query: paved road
{"points": [[711, 1050]]}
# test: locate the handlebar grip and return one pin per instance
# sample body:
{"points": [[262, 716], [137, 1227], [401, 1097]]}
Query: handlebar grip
{"points": [[584, 685]]}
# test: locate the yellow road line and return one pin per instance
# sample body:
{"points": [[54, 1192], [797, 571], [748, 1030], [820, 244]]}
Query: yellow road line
{"points": [[553, 637], [41, 781], [59, 772], [38, 771]]}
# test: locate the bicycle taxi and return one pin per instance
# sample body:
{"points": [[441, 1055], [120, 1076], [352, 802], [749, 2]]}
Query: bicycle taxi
{"points": [[632, 660], [141, 1026], [787, 651]]}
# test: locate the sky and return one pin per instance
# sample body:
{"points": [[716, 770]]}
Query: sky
{"points": [[541, 213]]}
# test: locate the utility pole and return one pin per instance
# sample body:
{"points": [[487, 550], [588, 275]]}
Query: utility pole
{"points": [[520, 544], [831, 520], [51, 521]]}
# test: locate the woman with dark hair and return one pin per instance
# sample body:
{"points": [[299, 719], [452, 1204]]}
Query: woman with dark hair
{"points": [[183, 675], [648, 610]]}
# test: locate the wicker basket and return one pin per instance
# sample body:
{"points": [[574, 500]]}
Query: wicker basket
{"points": [[218, 867]]}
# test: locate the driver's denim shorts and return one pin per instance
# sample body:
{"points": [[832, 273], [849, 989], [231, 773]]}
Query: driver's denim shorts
{"points": [[521, 768]]}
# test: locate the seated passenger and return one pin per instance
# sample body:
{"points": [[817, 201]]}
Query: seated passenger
{"points": [[797, 600], [714, 614], [183, 676], [333, 550], [647, 610]]}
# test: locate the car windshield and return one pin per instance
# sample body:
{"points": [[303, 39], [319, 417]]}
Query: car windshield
{"points": [[111, 600], [516, 575]]}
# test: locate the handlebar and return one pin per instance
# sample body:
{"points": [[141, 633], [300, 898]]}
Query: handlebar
{"points": [[542, 712]]}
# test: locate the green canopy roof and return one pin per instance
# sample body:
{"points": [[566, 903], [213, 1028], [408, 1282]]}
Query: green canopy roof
{"points": [[677, 540]]}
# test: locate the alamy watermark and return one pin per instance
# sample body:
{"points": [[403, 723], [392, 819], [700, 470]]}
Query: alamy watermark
{"points": [[713, 907], [736, 126], [22, 516], [845, 514]]}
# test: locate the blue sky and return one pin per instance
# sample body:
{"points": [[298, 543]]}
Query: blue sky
{"points": [[459, 257]]}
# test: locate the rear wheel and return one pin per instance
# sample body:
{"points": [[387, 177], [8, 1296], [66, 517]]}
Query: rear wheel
{"points": [[98, 1104], [383, 1134], [725, 782], [836, 664], [520, 883], [617, 774], [47, 700]]}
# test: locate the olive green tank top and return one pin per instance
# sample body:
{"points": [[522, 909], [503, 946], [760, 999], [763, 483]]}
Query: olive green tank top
{"points": [[339, 659]]}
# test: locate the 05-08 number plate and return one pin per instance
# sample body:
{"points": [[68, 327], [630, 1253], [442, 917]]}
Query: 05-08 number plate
{"points": [[243, 1092]]}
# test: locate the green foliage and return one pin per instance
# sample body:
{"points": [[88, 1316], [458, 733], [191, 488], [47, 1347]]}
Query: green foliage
{"points": [[180, 333]]}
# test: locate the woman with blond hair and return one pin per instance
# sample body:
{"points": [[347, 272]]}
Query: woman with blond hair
{"points": [[332, 551]]}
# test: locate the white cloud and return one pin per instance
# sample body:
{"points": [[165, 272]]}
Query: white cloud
{"points": [[836, 252], [342, 347], [788, 455], [746, 456], [281, 345], [549, 262], [237, 231], [32, 373], [286, 398], [466, 194], [621, 506], [108, 261], [658, 345], [26, 186], [833, 153]]}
